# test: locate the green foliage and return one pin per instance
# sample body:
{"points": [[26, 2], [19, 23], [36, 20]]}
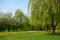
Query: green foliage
{"points": [[44, 12], [19, 13]]}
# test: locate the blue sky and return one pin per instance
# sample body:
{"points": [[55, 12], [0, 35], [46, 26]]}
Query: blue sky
{"points": [[12, 5]]}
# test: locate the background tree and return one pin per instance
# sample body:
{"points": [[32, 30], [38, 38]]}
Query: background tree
{"points": [[20, 16]]}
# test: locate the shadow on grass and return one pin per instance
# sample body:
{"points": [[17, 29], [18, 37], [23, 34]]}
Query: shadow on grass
{"points": [[2, 36], [57, 33]]}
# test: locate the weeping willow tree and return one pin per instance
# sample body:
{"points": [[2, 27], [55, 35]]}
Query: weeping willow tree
{"points": [[44, 12], [35, 15]]}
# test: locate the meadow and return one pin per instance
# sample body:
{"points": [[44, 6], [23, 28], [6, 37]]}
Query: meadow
{"points": [[28, 35]]}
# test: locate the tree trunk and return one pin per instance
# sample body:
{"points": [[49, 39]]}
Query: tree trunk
{"points": [[53, 31], [9, 28]]}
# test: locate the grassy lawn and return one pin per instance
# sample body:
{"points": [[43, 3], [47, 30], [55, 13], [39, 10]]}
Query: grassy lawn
{"points": [[29, 35]]}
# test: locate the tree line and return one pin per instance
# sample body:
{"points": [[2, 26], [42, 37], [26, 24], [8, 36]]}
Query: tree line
{"points": [[17, 22]]}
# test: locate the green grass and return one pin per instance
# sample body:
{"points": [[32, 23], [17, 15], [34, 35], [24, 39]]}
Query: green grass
{"points": [[29, 35]]}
